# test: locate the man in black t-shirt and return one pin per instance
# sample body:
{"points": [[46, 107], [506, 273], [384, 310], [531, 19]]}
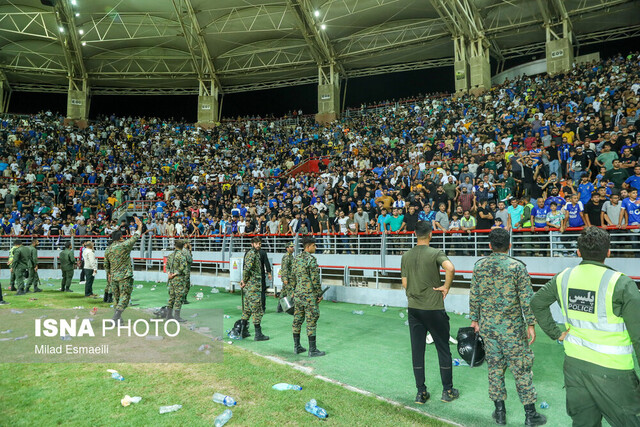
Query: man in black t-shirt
{"points": [[410, 219], [485, 216], [592, 211]]}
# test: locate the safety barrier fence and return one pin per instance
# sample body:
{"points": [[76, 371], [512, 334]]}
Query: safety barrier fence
{"points": [[334, 275], [524, 242]]}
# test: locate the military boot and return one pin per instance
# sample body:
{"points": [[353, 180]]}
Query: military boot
{"points": [[297, 348], [500, 414], [176, 316], [20, 291], [169, 314], [259, 335], [36, 289], [105, 297], [532, 417], [244, 329], [109, 300], [117, 317], [313, 350]]}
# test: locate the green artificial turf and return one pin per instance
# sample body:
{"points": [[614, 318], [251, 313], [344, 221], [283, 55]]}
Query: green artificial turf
{"points": [[370, 352]]}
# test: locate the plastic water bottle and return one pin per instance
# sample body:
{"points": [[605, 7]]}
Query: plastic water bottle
{"points": [[199, 296], [384, 309], [358, 312], [285, 386], [225, 400], [223, 418], [459, 362], [401, 315], [167, 409], [139, 286], [313, 408], [544, 405], [117, 376]]}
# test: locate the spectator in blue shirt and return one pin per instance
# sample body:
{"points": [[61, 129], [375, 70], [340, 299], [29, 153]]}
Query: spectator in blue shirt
{"points": [[585, 188]]}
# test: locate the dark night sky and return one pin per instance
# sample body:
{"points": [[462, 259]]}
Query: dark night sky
{"points": [[280, 101]]}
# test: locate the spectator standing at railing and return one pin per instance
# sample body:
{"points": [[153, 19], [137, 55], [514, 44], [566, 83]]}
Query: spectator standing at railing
{"points": [[499, 307]]}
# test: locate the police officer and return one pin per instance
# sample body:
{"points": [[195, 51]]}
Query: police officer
{"points": [[33, 267], [12, 283], [601, 309], [178, 268], [20, 265], [252, 281], [307, 293], [186, 250], [499, 310], [117, 265], [286, 273], [67, 262]]}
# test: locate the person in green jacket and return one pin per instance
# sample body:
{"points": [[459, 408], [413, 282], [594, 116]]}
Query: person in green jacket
{"points": [[33, 267], [67, 263], [601, 310], [20, 265]]}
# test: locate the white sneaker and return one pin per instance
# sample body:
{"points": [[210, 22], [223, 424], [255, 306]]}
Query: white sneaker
{"points": [[429, 339], [453, 341], [83, 282]]}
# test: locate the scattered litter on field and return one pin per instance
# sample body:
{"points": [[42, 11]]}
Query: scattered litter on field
{"points": [[66, 338], [139, 286], [230, 342], [226, 316], [194, 315], [313, 408], [215, 291], [154, 338], [44, 316], [128, 400], [459, 362], [203, 329], [93, 311], [223, 418], [402, 315], [167, 409], [204, 347], [16, 311], [406, 323], [199, 296], [79, 307], [116, 376], [8, 331], [285, 386], [384, 309], [6, 339], [112, 371], [21, 338], [358, 312], [153, 289], [544, 405], [223, 399], [33, 299], [239, 308]]}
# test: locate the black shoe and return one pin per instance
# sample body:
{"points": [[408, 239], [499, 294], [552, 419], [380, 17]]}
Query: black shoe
{"points": [[297, 348], [422, 397], [109, 300], [3, 302], [185, 302], [532, 417], [105, 297], [313, 350], [450, 395], [20, 292], [37, 290], [61, 290], [117, 316], [27, 291], [176, 316], [68, 290], [259, 335], [500, 414]]}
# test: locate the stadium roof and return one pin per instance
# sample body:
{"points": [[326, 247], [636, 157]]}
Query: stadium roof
{"points": [[167, 46]]}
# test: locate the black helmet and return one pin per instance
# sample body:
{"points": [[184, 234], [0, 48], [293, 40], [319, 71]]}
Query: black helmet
{"points": [[468, 343]]}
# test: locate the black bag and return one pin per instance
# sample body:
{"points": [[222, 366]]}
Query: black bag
{"points": [[238, 332], [471, 346], [160, 312]]}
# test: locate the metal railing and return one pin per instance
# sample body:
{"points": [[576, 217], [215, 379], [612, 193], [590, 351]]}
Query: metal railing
{"points": [[524, 242]]}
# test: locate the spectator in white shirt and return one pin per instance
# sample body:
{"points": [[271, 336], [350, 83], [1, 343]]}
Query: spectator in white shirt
{"points": [[90, 268]]}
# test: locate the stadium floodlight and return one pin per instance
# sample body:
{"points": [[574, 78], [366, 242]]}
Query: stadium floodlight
{"points": [[74, 2], [323, 27], [77, 14], [84, 43], [317, 13], [61, 29], [81, 31]]}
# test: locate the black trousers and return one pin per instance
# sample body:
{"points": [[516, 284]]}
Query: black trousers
{"points": [[263, 297], [436, 322], [83, 277], [88, 285], [1, 293]]}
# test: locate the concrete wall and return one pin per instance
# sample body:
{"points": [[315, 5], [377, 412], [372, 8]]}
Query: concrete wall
{"points": [[536, 67]]}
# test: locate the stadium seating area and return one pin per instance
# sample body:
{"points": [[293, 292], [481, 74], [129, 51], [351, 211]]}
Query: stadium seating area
{"points": [[465, 163]]}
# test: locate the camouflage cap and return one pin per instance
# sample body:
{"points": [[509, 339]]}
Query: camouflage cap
{"points": [[291, 245]]}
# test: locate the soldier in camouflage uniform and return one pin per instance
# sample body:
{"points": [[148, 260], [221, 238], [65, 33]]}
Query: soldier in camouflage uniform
{"points": [[20, 265], [178, 268], [33, 267], [286, 274], [307, 294], [12, 283], [186, 250], [252, 286], [117, 265], [499, 310], [67, 262]]}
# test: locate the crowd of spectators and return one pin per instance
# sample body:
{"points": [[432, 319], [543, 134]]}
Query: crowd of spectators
{"points": [[540, 152]]}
